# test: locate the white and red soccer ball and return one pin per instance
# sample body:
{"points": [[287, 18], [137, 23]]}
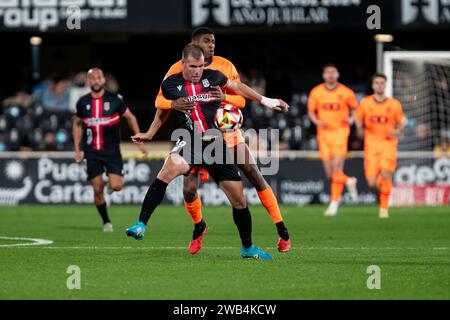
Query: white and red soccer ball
{"points": [[228, 118]]}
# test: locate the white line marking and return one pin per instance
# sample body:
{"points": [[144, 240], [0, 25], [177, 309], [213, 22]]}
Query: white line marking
{"points": [[34, 242], [207, 248]]}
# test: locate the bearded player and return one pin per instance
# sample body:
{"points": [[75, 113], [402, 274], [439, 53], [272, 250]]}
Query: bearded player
{"points": [[381, 120], [97, 120], [331, 108]]}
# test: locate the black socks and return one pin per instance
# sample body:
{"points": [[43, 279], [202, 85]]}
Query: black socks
{"points": [[153, 198], [101, 208], [282, 231], [198, 229], [243, 221]]}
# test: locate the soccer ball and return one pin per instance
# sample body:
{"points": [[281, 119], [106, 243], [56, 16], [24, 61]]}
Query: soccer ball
{"points": [[228, 118]]}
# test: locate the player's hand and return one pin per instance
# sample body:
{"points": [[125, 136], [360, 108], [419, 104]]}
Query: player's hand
{"points": [[217, 93], [139, 138], [394, 133], [78, 156], [181, 104], [283, 105], [321, 124]]}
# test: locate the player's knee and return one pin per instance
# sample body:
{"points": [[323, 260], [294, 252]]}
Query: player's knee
{"points": [[239, 202], [98, 190], [117, 186]]}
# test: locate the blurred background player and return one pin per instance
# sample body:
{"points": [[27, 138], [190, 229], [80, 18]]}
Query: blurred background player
{"points": [[196, 83], [205, 38], [97, 119], [330, 107], [382, 120]]}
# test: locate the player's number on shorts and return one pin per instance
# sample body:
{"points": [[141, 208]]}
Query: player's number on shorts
{"points": [[179, 145]]}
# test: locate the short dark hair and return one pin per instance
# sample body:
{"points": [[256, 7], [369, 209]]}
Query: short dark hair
{"points": [[328, 65], [201, 31], [192, 50], [379, 75]]}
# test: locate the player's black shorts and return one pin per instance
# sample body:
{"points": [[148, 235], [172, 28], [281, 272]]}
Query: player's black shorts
{"points": [[221, 170], [97, 164]]}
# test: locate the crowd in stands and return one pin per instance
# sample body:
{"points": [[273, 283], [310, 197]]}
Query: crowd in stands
{"points": [[41, 120]]}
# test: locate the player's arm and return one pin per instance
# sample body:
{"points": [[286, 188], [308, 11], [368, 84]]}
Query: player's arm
{"points": [[352, 103], [312, 107], [230, 98], [134, 126], [131, 121], [359, 120], [247, 92], [400, 121], [76, 133], [159, 119]]}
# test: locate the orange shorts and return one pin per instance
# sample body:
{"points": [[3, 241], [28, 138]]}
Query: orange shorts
{"points": [[233, 138], [379, 157], [330, 147]]}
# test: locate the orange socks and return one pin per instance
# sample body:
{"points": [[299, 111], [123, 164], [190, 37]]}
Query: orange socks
{"points": [[385, 192], [270, 202], [194, 209], [338, 181]]}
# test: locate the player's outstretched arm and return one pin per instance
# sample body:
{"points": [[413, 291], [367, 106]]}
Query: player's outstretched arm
{"points": [[247, 92], [159, 119], [134, 126], [76, 133]]}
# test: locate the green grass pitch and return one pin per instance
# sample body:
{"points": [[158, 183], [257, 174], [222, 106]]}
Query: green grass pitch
{"points": [[329, 259]]}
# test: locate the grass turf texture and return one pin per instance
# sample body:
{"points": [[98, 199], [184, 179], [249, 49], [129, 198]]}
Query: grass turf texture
{"points": [[329, 259]]}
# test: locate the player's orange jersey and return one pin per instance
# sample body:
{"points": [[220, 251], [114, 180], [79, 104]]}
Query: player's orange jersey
{"points": [[218, 63], [379, 118], [332, 107]]}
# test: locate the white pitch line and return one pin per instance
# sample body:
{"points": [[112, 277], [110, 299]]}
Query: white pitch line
{"points": [[24, 246], [34, 242]]}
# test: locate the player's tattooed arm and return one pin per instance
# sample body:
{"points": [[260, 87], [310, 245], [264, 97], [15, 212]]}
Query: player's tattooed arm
{"points": [[76, 133]]}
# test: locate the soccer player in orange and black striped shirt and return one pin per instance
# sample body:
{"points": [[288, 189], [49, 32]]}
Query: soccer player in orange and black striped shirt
{"points": [[205, 38]]}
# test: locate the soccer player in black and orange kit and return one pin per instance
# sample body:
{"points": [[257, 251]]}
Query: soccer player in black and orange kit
{"points": [[204, 87], [97, 120], [205, 38]]}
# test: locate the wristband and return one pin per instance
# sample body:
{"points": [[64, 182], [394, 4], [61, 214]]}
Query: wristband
{"points": [[270, 103]]}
